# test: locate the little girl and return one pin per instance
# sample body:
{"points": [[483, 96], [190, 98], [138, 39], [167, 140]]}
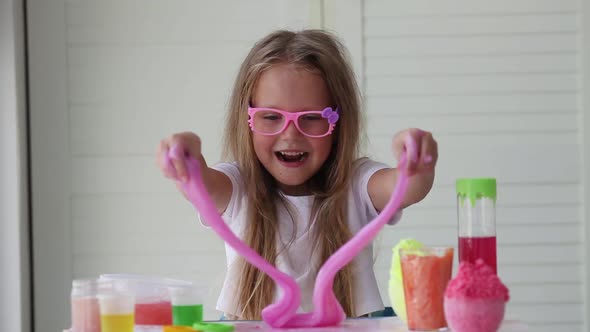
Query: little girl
{"points": [[296, 189]]}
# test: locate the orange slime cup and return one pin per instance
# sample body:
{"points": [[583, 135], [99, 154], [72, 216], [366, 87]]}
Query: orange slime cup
{"points": [[426, 272]]}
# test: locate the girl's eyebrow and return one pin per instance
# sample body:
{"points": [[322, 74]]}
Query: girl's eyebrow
{"points": [[251, 105], [272, 106]]}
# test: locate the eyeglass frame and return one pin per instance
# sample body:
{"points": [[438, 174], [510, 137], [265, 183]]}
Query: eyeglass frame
{"points": [[327, 113]]}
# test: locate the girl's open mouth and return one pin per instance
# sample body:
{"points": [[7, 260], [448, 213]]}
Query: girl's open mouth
{"points": [[291, 156]]}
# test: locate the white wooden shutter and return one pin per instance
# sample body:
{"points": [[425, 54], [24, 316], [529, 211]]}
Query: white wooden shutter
{"points": [[109, 79], [497, 83]]}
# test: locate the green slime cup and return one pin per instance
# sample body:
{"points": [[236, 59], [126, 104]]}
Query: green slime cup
{"points": [[187, 307]]}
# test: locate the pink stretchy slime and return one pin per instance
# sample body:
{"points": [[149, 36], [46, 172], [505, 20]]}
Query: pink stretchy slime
{"points": [[475, 299], [327, 311]]}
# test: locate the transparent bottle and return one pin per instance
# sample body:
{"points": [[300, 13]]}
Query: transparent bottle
{"points": [[117, 306], [476, 213], [84, 306]]}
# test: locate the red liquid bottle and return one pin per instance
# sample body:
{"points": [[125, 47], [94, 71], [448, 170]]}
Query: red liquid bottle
{"points": [[476, 212]]}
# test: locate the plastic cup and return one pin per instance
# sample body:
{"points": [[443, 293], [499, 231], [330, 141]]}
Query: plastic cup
{"points": [[426, 272], [152, 297], [187, 307], [116, 311], [84, 306]]}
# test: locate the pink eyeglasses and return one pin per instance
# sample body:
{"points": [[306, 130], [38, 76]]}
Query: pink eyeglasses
{"points": [[270, 121]]}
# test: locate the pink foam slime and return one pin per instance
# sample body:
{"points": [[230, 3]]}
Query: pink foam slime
{"points": [[475, 299], [327, 310]]}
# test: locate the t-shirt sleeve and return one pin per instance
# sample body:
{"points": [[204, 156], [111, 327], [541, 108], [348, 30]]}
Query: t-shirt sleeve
{"points": [[365, 168], [233, 173]]}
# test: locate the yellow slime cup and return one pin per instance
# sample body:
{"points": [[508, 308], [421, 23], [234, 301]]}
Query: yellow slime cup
{"points": [[396, 282]]}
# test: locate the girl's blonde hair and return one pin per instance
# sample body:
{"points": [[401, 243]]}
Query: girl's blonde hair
{"points": [[322, 54]]}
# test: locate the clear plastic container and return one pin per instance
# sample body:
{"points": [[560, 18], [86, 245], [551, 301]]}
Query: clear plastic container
{"points": [[187, 306], [476, 213], [426, 272], [153, 306], [84, 306], [117, 308]]}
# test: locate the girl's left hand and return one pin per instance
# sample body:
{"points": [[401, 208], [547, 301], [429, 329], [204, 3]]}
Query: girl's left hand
{"points": [[427, 150]]}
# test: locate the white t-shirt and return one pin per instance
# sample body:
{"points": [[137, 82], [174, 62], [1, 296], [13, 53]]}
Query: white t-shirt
{"points": [[296, 261]]}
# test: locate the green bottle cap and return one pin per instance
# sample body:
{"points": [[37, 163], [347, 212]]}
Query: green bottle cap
{"points": [[476, 188]]}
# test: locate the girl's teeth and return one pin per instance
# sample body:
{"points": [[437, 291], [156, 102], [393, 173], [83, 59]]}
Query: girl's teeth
{"points": [[292, 154]]}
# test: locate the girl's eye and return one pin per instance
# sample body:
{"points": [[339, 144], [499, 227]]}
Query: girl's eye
{"points": [[271, 117], [311, 117]]}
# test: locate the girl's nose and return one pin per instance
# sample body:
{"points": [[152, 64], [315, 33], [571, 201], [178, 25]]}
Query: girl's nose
{"points": [[291, 130]]}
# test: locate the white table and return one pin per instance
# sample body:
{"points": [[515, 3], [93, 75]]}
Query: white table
{"points": [[382, 324]]}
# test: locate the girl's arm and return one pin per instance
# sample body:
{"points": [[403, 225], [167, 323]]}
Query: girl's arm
{"points": [[382, 183], [217, 183]]}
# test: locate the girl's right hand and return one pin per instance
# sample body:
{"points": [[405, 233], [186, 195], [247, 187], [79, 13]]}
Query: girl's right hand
{"points": [[188, 142], [217, 183]]}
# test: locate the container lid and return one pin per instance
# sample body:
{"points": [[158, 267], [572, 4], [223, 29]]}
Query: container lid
{"points": [[89, 287], [475, 188], [84, 287], [147, 289], [147, 279]]}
